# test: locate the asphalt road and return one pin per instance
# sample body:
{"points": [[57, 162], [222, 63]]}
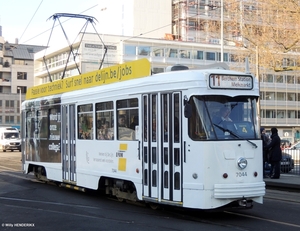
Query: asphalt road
{"points": [[27, 204]]}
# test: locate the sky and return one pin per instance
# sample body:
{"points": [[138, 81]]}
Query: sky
{"points": [[31, 23]]}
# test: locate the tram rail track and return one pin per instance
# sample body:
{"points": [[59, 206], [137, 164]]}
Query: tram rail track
{"points": [[166, 212]]}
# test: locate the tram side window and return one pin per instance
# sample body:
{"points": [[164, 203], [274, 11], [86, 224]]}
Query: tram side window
{"points": [[127, 117], [85, 121], [105, 120], [43, 124], [30, 126]]}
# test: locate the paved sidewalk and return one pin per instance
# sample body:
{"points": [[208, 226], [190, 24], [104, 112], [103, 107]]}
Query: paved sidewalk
{"points": [[286, 181]]}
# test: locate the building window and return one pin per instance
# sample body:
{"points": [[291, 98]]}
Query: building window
{"points": [[281, 96], [270, 96], [291, 96], [22, 75], [269, 78], [19, 62], [198, 55], [270, 114], [291, 114], [211, 56], [9, 104], [9, 120], [172, 53], [130, 50], [143, 50], [280, 114], [158, 52], [225, 57], [184, 54], [290, 79], [279, 78], [23, 89]]}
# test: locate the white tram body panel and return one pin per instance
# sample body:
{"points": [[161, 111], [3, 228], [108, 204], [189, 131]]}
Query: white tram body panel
{"points": [[108, 160], [188, 171]]}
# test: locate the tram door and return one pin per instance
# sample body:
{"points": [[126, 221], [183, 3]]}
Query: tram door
{"points": [[68, 143], [162, 149]]}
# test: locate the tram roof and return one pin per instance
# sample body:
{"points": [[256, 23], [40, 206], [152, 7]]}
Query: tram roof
{"points": [[141, 82]]}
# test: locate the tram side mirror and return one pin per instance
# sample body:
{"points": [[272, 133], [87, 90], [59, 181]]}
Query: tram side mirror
{"points": [[187, 110]]}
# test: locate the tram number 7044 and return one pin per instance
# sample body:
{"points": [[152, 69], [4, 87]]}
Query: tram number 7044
{"points": [[241, 174]]}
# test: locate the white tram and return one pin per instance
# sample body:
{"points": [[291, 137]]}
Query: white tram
{"points": [[157, 139]]}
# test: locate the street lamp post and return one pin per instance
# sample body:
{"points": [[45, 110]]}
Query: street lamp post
{"points": [[222, 30]]}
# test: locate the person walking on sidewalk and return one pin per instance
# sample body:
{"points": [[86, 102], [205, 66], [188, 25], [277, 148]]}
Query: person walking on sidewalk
{"points": [[275, 154], [265, 141]]}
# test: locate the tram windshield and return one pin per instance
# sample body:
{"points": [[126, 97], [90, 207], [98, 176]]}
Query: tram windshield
{"points": [[223, 117]]}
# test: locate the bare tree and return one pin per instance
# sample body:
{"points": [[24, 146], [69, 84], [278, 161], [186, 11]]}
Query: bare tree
{"points": [[266, 30]]}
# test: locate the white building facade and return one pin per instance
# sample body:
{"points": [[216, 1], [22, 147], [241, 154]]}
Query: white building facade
{"points": [[16, 76]]}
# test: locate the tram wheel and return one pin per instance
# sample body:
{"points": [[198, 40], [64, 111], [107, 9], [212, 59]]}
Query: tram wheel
{"points": [[154, 206]]}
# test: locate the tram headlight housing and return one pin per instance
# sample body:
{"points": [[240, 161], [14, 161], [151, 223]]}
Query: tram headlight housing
{"points": [[242, 163]]}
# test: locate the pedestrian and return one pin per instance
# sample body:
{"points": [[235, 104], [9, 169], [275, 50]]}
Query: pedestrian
{"points": [[275, 154], [265, 142]]}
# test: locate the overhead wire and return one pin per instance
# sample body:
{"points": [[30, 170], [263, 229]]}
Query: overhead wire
{"points": [[31, 19], [57, 25], [129, 38]]}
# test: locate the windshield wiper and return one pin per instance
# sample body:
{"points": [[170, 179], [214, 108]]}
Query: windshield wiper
{"points": [[233, 134]]}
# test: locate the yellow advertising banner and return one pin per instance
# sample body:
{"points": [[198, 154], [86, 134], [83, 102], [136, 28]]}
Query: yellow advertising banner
{"points": [[126, 71]]}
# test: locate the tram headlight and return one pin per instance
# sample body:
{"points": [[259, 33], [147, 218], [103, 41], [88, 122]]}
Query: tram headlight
{"points": [[242, 163]]}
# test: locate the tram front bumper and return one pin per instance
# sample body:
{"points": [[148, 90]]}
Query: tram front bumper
{"points": [[245, 190]]}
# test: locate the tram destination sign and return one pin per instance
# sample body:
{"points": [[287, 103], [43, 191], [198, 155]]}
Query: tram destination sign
{"points": [[223, 81], [126, 71]]}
